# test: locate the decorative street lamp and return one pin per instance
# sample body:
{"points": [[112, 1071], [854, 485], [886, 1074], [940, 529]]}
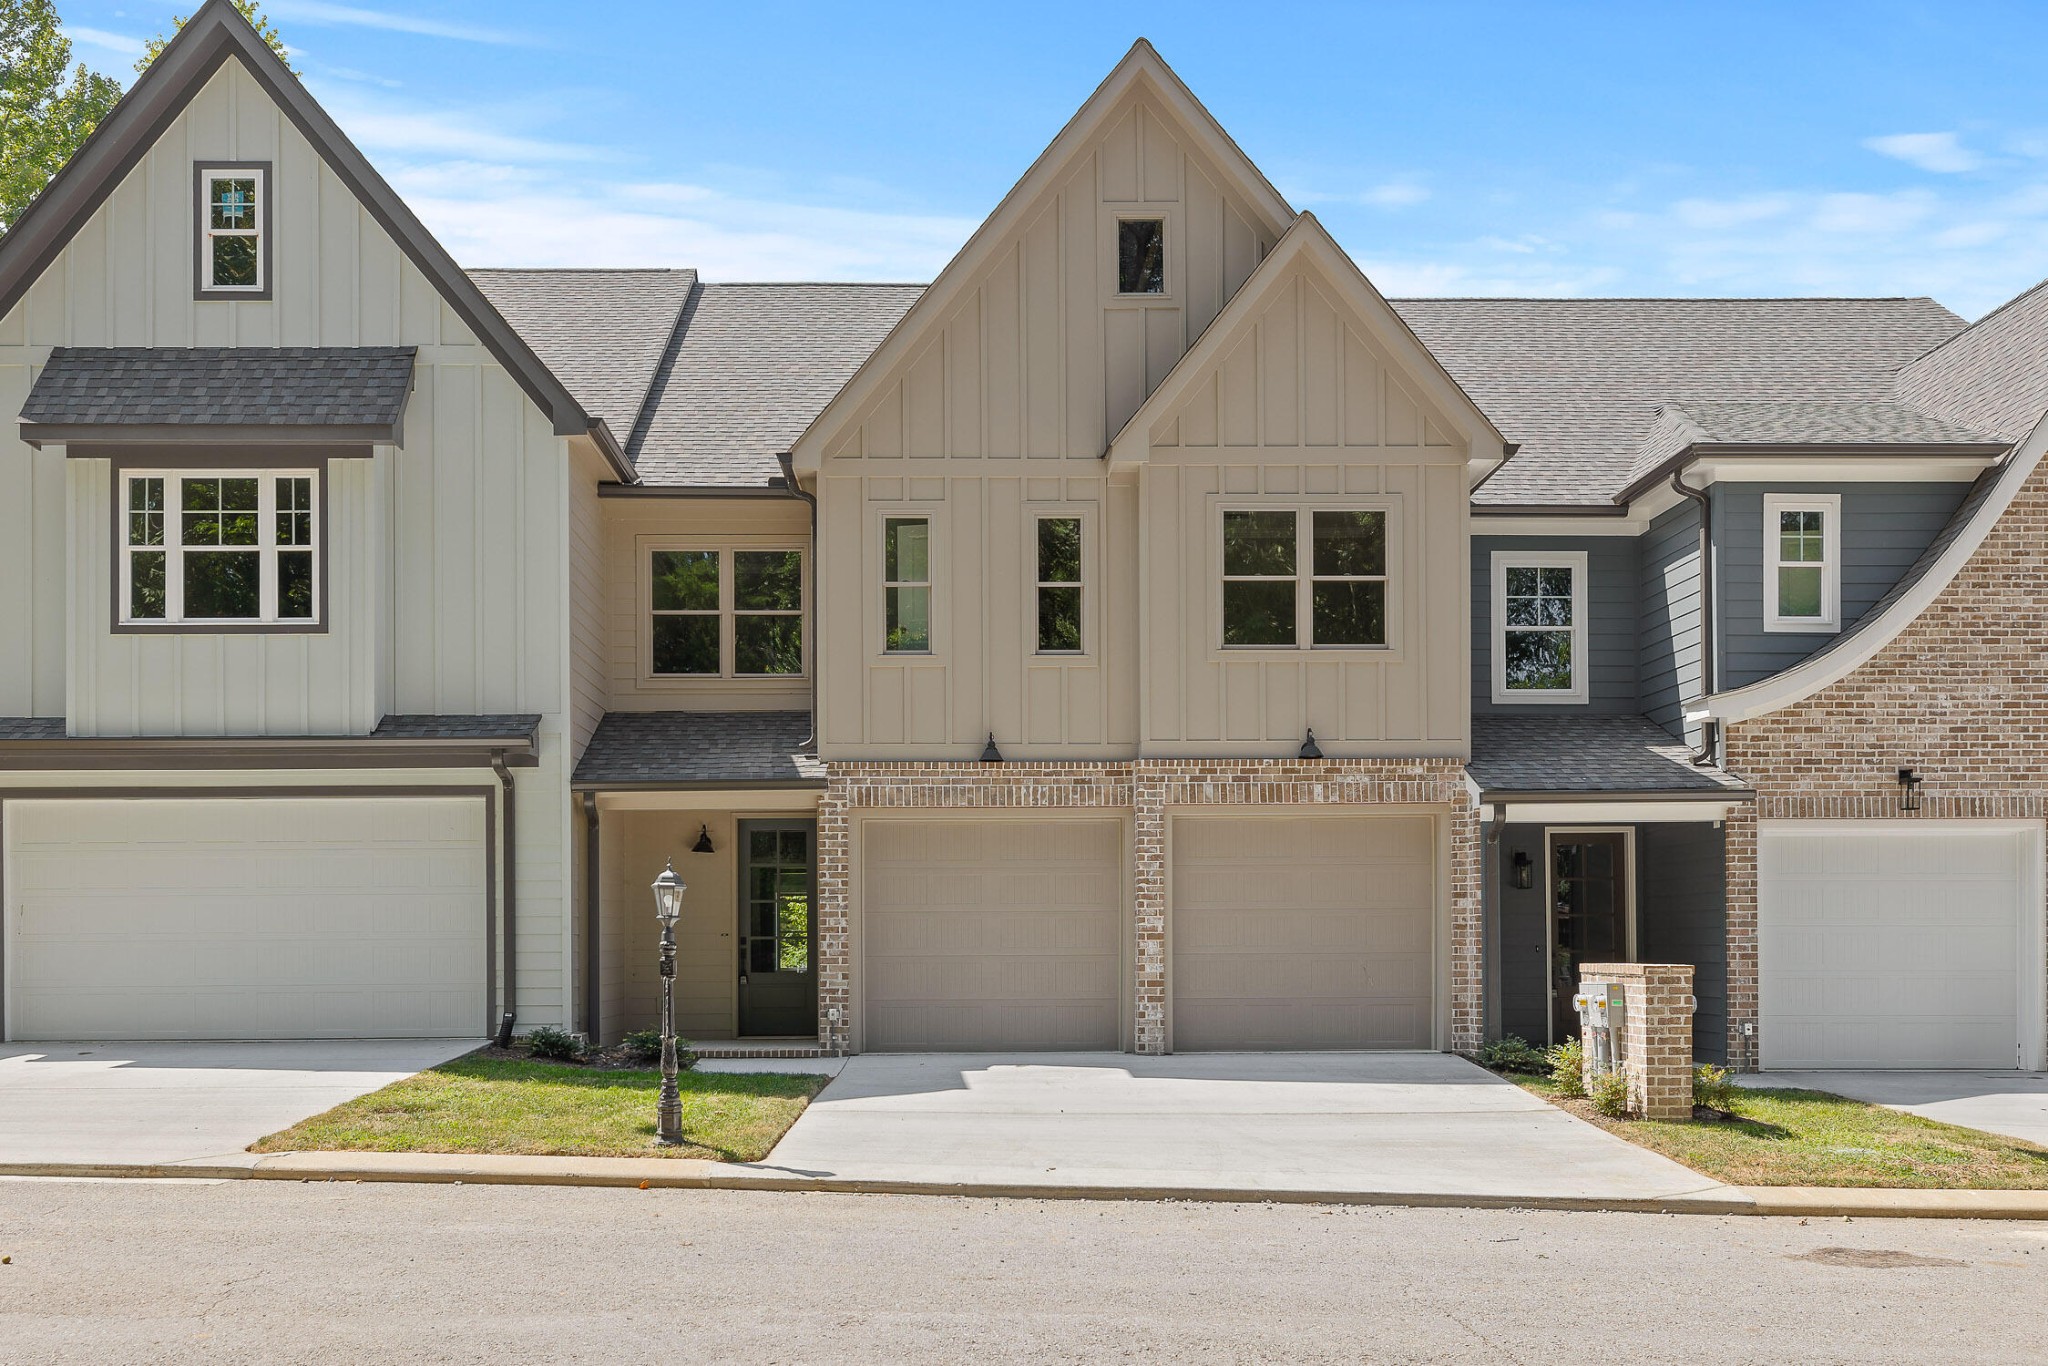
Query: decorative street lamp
{"points": [[668, 906]]}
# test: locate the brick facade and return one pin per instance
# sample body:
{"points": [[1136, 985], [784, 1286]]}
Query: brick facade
{"points": [[1655, 1043], [1961, 695], [1148, 791]]}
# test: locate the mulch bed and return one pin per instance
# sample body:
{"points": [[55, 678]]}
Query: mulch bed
{"points": [[613, 1059]]}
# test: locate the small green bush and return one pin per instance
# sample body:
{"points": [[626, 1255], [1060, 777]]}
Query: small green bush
{"points": [[1713, 1087], [553, 1045], [1514, 1053], [644, 1045], [1609, 1092], [1568, 1068]]}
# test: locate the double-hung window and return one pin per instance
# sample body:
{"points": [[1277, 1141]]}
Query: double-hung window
{"points": [[1539, 626], [1059, 585], [906, 585], [1304, 579], [726, 613], [1802, 562], [234, 225], [231, 548]]}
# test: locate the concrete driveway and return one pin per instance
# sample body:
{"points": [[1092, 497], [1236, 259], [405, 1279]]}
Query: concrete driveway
{"points": [[184, 1102], [2010, 1103], [1402, 1123]]}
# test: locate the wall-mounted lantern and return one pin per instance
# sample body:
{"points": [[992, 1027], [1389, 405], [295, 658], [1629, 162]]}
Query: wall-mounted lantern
{"points": [[1309, 748], [1909, 789], [1525, 870], [703, 844], [989, 753]]}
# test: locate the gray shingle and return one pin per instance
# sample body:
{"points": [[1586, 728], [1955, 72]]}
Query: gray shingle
{"points": [[602, 332], [272, 386], [755, 364], [1578, 382], [1797, 422], [1570, 754], [687, 748], [1993, 376], [423, 727], [31, 728]]}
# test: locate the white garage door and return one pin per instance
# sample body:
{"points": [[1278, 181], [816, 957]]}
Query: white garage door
{"points": [[231, 919], [1896, 945], [992, 934], [1303, 932]]}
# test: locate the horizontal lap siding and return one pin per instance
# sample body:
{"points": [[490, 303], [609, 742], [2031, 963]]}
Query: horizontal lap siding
{"points": [[1613, 582], [1668, 658]]}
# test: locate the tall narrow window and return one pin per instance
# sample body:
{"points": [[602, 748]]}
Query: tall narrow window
{"points": [[1349, 568], [1539, 640], [1140, 256], [907, 585], [294, 516], [767, 605], [1803, 579], [147, 557], [1059, 585], [232, 548], [233, 211], [685, 612]]}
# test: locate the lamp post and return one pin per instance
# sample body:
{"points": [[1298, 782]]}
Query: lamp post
{"points": [[668, 903]]}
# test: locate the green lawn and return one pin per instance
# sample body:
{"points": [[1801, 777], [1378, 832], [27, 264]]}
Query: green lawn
{"points": [[1812, 1138], [481, 1105]]}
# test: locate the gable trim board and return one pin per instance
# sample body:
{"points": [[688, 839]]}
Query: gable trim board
{"points": [[214, 36], [1141, 68]]}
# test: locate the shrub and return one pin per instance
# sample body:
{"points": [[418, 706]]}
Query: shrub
{"points": [[1514, 1054], [1568, 1067], [552, 1044], [1713, 1087], [1610, 1094], [644, 1045]]}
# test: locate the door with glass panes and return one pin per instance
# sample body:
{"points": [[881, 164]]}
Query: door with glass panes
{"points": [[778, 920], [1589, 914]]}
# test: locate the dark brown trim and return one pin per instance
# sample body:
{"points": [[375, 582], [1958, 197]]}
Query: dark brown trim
{"points": [[266, 232], [1725, 794], [768, 492], [1844, 451], [486, 792], [705, 785], [593, 912], [118, 541], [1550, 510], [102, 753], [508, 902], [237, 454], [88, 441]]}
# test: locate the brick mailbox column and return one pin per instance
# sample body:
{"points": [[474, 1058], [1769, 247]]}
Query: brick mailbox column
{"points": [[1654, 1042]]}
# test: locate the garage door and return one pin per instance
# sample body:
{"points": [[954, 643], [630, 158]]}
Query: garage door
{"points": [[1303, 932], [1894, 946], [998, 934], [229, 919]]}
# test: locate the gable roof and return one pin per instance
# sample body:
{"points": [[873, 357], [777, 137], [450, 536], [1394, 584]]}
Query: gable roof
{"points": [[215, 35], [1577, 383], [1992, 374], [603, 332], [1141, 67]]}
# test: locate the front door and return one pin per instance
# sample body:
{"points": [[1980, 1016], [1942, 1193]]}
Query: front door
{"points": [[778, 920], [1589, 895]]}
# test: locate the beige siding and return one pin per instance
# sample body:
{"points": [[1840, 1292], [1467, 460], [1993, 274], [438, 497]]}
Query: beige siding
{"points": [[587, 658]]}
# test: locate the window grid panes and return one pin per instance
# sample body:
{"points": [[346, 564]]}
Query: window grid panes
{"points": [[1536, 641], [230, 548], [1348, 567], [232, 229], [1260, 562], [1141, 256], [687, 591], [726, 613], [778, 901], [1312, 579], [768, 622], [1802, 557], [907, 585], [1059, 585]]}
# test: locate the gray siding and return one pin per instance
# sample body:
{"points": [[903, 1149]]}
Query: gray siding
{"points": [[1524, 937], [1884, 529], [1610, 628], [1668, 642], [1682, 917]]}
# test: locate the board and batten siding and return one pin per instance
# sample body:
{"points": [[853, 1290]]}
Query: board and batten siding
{"points": [[1613, 580], [1003, 415], [1884, 529], [1668, 658]]}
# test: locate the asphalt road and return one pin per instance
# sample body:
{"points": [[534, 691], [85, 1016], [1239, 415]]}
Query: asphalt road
{"points": [[284, 1272]]}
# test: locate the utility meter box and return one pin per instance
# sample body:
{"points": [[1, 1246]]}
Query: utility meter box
{"points": [[1600, 1006]]}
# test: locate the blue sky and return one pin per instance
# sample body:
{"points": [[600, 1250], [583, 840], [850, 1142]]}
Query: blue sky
{"points": [[1525, 148]]}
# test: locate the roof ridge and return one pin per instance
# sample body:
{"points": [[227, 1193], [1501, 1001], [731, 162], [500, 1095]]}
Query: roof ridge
{"points": [[1668, 299], [580, 270], [1970, 327], [816, 284]]}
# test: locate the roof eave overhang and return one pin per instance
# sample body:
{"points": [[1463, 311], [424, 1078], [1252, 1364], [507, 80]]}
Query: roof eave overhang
{"points": [[185, 753], [1504, 795], [1548, 510], [699, 785], [87, 440], [1986, 451], [779, 489]]}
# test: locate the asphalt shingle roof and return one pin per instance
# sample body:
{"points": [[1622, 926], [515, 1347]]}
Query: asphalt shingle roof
{"points": [[31, 728], [422, 727], [602, 332], [1577, 383], [1797, 422], [270, 386], [1573, 754], [686, 749], [755, 364], [1993, 376]]}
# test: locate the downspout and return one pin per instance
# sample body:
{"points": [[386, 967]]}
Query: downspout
{"points": [[788, 462], [508, 903], [592, 978], [1710, 663]]}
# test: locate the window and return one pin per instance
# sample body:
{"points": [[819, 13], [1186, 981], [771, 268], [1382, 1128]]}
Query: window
{"points": [[1059, 585], [907, 585], [726, 613], [1141, 256], [234, 214], [1802, 562], [1539, 626], [236, 547], [1343, 558]]}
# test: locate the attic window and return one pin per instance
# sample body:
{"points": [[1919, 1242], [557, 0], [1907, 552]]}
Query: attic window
{"points": [[1140, 256], [234, 227]]}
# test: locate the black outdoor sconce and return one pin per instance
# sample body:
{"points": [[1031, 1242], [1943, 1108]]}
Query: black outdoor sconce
{"points": [[1909, 789], [989, 753], [1525, 870], [1309, 748], [703, 844]]}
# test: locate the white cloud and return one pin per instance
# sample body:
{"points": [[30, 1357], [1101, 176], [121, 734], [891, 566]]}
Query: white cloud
{"points": [[350, 16], [1939, 152], [119, 44]]}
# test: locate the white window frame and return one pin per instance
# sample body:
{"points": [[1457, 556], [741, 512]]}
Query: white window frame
{"points": [[1080, 584], [1305, 578], [260, 234], [173, 546], [1582, 664], [727, 611], [1829, 506]]}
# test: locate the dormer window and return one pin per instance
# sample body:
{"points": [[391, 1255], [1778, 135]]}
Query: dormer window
{"points": [[234, 231], [1141, 256]]}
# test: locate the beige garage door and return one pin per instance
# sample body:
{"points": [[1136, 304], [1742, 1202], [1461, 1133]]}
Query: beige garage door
{"points": [[1303, 932], [991, 934]]}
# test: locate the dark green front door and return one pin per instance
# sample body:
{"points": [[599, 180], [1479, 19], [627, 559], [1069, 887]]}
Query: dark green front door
{"points": [[778, 921]]}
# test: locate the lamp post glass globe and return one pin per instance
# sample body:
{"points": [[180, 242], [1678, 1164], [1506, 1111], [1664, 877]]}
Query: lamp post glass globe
{"points": [[668, 905]]}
